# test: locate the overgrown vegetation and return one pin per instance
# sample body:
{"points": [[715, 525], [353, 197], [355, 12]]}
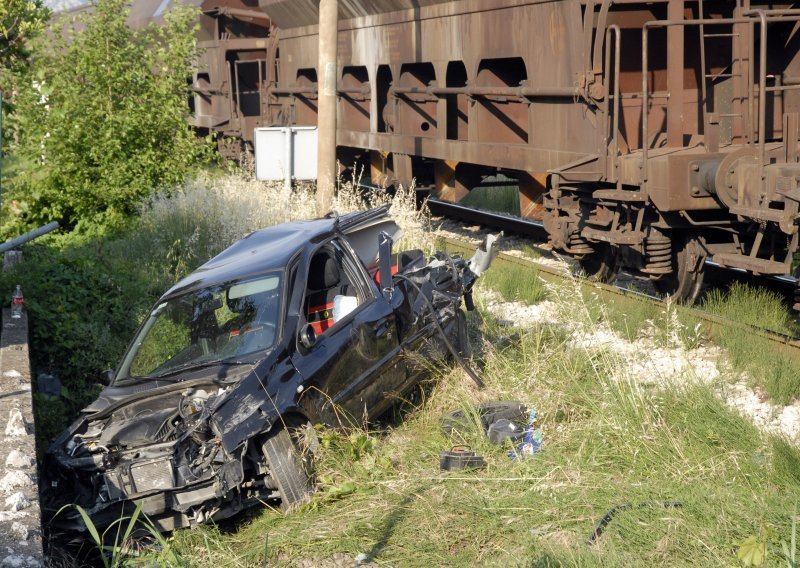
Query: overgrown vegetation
{"points": [[776, 371], [607, 441], [20, 21], [100, 120]]}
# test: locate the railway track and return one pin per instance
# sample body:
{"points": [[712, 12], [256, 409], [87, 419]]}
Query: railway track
{"points": [[713, 324], [716, 275]]}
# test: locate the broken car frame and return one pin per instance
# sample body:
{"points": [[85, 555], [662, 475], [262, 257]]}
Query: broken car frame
{"points": [[302, 323]]}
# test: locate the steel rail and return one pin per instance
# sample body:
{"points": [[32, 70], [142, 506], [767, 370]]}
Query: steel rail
{"points": [[501, 221], [783, 342]]}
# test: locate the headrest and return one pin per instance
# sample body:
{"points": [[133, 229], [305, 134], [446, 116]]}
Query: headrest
{"points": [[324, 272], [240, 305]]}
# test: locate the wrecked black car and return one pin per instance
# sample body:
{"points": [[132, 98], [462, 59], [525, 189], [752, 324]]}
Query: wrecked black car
{"points": [[302, 323]]}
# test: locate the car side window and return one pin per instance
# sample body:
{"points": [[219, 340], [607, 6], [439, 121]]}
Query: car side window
{"points": [[334, 288]]}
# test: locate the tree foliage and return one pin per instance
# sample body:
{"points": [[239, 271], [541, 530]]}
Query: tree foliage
{"points": [[101, 119], [20, 20]]}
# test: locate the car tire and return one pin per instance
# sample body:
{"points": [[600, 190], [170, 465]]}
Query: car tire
{"points": [[287, 469]]}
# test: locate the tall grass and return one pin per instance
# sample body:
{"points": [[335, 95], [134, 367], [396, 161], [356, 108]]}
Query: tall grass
{"points": [[753, 306], [610, 438], [775, 371], [607, 441], [520, 285], [499, 199]]}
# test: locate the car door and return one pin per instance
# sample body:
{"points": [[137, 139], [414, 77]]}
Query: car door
{"points": [[354, 366]]}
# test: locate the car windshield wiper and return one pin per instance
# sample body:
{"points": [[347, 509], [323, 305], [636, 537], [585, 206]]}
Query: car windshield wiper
{"points": [[190, 367]]}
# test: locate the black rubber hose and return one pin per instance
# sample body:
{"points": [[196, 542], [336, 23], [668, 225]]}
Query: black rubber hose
{"points": [[472, 374], [605, 519]]}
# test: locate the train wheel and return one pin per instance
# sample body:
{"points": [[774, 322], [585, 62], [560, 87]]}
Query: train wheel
{"points": [[686, 280], [602, 265]]}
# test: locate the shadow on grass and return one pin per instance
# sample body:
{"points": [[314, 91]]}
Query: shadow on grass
{"points": [[395, 516]]}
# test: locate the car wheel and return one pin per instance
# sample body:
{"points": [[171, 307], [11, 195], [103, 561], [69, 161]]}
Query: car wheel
{"points": [[288, 469]]}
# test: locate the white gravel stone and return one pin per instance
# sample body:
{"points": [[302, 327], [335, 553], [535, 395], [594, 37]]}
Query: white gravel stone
{"points": [[6, 516], [19, 561], [17, 502], [16, 425], [17, 458], [12, 373], [14, 479], [19, 531]]}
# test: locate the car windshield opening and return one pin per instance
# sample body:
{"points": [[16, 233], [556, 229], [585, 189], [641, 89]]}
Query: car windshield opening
{"points": [[217, 324]]}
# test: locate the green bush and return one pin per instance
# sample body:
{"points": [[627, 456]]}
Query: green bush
{"points": [[101, 120], [82, 313], [20, 20]]}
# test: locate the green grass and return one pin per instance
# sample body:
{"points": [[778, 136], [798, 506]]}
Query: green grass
{"points": [[500, 199], [752, 306], [606, 442], [775, 371], [517, 283]]}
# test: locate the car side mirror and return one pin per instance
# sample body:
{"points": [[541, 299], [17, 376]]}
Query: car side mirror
{"points": [[106, 377], [307, 337]]}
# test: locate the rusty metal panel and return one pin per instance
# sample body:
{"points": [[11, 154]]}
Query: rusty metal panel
{"points": [[295, 13], [675, 188], [417, 52]]}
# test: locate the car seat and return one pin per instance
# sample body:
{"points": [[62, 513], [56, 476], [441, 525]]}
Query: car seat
{"points": [[324, 283]]}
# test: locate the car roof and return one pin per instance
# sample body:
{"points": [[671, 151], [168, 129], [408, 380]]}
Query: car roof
{"points": [[269, 249]]}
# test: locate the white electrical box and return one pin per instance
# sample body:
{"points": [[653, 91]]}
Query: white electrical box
{"points": [[286, 153]]}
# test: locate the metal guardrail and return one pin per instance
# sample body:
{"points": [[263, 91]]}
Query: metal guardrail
{"points": [[29, 236]]}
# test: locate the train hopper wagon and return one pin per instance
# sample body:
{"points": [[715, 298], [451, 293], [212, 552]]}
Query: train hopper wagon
{"points": [[650, 136], [646, 135]]}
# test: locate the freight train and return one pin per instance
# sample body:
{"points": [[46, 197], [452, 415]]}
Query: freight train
{"points": [[646, 135]]}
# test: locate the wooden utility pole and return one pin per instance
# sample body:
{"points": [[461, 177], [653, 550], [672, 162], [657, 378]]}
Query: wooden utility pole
{"points": [[326, 119]]}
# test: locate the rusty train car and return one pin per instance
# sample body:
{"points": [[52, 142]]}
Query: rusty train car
{"points": [[646, 135]]}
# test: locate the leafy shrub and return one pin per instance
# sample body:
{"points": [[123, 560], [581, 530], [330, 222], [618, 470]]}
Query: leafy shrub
{"points": [[20, 20], [82, 313], [101, 119]]}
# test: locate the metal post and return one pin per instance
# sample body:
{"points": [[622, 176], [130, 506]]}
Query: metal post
{"points": [[29, 236], [675, 69], [326, 122], [288, 160]]}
